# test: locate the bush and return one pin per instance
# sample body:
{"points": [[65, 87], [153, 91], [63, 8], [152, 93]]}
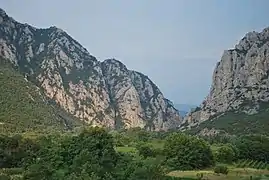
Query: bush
{"points": [[200, 176], [221, 169], [225, 154], [254, 147], [12, 171], [147, 150], [4, 177], [251, 164], [185, 152]]}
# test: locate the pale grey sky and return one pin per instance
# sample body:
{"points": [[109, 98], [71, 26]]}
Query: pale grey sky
{"points": [[175, 42]]}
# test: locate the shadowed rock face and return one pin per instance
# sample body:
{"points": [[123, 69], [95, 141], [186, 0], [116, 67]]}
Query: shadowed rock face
{"points": [[240, 79], [99, 93]]}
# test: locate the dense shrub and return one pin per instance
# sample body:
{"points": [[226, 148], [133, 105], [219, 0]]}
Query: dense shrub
{"points": [[16, 151], [254, 147], [226, 154], [4, 177], [147, 150], [185, 152], [221, 169], [90, 155], [252, 164]]}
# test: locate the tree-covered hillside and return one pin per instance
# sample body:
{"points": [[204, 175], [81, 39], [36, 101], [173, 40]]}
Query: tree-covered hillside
{"points": [[23, 107], [238, 123]]}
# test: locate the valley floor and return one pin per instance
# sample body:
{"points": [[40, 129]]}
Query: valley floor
{"points": [[234, 174]]}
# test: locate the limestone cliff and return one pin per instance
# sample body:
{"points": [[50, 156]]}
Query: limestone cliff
{"points": [[240, 80], [99, 93]]}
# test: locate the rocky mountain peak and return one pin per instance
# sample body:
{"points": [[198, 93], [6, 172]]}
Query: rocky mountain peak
{"points": [[99, 93], [240, 79], [2, 13]]}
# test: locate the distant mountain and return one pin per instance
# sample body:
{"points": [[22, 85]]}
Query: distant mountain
{"points": [[98, 93], [184, 109], [238, 101]]}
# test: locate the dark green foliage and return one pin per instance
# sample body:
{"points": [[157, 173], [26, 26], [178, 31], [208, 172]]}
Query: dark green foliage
{"points": [[22, 108], [199, 176], [221, 169], [239, 123], [226, 154], [254, 147], [178, 178], [185, 152], [251, 164], [121, 140], [16, 151], [142, 169], [89, 155], [147, 150], [219, 139], [90, 152], [4, 177]]}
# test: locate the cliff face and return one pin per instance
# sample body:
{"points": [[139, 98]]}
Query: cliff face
{"points": [[240, 80], [99, 93]]}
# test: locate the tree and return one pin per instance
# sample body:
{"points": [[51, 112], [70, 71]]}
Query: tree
{"points": [[221, 169], [226, 154], [142, 169], [185, 152], [146, 150], [254, 147], [89, 154]]}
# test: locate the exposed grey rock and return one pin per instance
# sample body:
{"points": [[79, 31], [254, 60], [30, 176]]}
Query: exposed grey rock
{"points": [[99, 93], [240, 79]]}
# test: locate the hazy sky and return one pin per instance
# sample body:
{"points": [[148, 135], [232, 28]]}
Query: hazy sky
{"points": [[175, 42]]}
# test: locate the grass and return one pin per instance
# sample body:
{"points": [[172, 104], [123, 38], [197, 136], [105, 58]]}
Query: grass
{"points": [[234, 174], [125, 149], [13, 173], [157, 144]]}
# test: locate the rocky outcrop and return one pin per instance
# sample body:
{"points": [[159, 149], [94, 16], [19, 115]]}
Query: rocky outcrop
{"points": [[240, 80], [99, 93]]}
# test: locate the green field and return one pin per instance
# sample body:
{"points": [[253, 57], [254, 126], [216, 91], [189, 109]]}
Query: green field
{"points": [[242, 170], [234, 174], [126, 149]]}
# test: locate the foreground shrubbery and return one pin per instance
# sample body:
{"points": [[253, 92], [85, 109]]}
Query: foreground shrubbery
{"points": [[252, 164], [253, 147], [185, 152], [221, 169], [92, 154], [226, 153]]}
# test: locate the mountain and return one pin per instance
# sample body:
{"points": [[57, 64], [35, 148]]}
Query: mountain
{"points": [[24, 108], [184, 109], [239, 95], [98, 93]]}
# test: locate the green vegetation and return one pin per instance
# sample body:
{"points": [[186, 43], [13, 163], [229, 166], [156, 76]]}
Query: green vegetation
{"points": [[88, 155], [95, 153], [226, 153], [239, 123], [35, 145], [233, 174], [23, 108], [247, 163], [221, 169], [187, 153]]}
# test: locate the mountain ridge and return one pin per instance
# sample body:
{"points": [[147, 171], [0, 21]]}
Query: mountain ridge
{"points": [[240, 83], [24, 108], [100, 93]]}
